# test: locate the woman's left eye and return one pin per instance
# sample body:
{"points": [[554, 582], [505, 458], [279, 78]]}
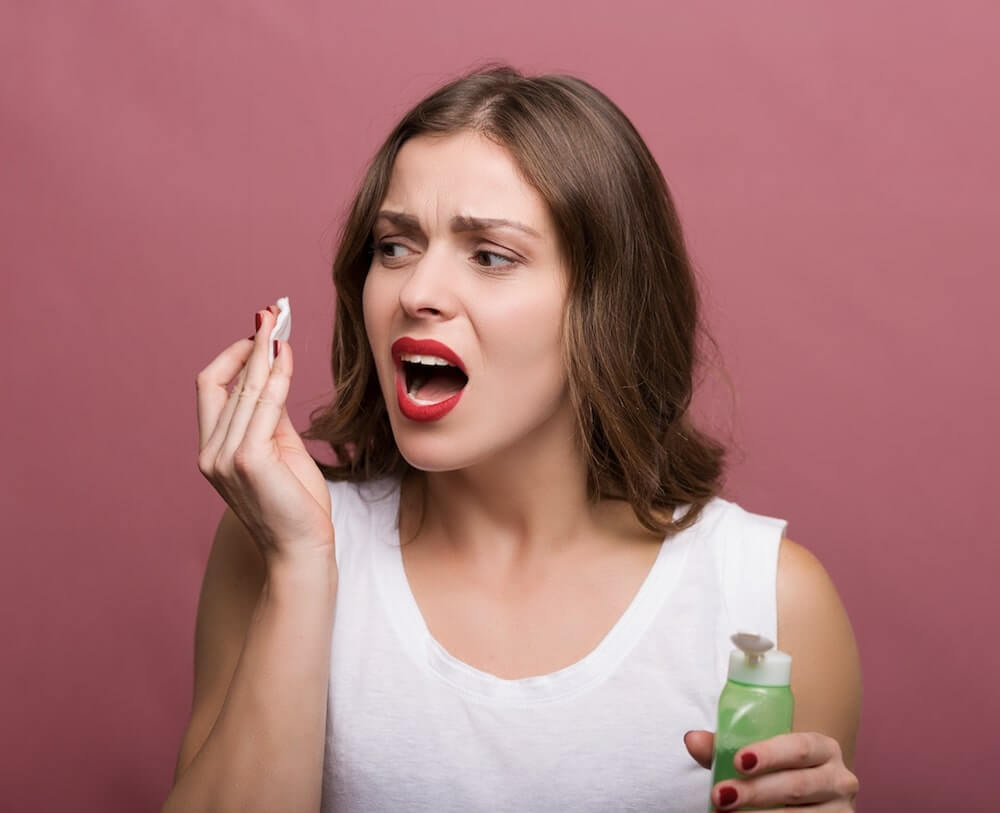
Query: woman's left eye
{"points": [[387, 248], [494, 260]]}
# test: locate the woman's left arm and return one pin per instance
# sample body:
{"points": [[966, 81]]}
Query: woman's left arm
{"points": [[811, 766], [814, 629]]}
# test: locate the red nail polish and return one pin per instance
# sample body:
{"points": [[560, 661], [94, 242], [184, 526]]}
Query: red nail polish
{"points": [[727, 796], [257, 320], [748, 761], [277, 347]]}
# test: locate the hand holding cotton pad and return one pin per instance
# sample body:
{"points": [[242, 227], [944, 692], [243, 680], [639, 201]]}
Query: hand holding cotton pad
{"points": [[282, 328]]}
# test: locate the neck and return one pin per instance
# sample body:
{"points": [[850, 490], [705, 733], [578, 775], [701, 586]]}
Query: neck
{"points": [[521, 506]]}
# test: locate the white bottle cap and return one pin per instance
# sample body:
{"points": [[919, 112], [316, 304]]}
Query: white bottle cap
{"points": [[752, 663]]}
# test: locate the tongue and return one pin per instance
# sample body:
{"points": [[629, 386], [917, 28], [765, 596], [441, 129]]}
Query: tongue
{"points": [[440, 385]]}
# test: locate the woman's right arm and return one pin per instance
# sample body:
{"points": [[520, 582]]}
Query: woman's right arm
{"points": [[256, 737], [257, 734]]}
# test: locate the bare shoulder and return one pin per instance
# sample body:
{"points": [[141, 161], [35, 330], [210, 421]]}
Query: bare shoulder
{"points": [[801, 574], [813, 627]]}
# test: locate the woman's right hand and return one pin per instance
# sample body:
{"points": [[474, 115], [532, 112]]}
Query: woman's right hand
{"points": [[252, 455]]}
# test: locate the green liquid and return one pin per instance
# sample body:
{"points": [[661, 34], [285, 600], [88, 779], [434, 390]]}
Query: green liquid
{"points": [[747, 714], [723, 769], [722, 764]]}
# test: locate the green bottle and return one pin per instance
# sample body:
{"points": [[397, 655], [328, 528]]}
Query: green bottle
{"points": [[755, 704]]}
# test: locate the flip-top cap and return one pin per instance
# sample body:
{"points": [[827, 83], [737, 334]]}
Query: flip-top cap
{"points": [[756, 662]]}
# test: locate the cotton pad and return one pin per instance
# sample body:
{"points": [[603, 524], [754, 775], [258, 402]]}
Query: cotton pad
{"points": [[282, 328]]}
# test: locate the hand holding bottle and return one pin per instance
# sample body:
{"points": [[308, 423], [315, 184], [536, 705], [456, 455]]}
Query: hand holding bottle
{"points": [[251, 453], [800, 769]]}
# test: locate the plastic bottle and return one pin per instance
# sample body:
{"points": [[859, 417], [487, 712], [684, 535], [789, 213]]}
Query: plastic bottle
{"points": [[755, 704]]}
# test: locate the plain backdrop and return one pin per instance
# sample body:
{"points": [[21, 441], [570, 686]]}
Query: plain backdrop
{"points": [[168, 168]]}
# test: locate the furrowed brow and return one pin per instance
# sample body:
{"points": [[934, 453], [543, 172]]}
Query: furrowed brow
{"points": [[403, 221], [459, 223]]}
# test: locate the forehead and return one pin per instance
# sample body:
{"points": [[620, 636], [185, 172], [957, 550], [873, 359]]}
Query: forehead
{"points": [[438, 177]]}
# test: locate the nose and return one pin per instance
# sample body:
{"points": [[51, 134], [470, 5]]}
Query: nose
{"points": [[428, 290]]}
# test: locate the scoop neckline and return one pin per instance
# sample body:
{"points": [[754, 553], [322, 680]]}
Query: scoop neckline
{"points": [[475, 684]]}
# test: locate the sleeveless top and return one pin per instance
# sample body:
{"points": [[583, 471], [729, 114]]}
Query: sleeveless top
{"points": [[411, 728]]}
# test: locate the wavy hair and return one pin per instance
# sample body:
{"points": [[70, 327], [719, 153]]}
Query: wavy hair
{"points": [[632, 320]]}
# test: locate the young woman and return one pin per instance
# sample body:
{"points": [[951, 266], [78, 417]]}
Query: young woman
{"points": [[516, 588]]}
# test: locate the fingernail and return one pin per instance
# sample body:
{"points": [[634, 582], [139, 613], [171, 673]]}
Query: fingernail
{"points": [[748, 761], [257, 320], [727, 796], [277, 347]]}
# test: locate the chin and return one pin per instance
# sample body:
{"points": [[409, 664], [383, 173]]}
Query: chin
{"points": [[425, 457], [439, 454]]}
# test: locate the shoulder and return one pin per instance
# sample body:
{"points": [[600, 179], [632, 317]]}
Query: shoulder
{"points": [[361, 510], [732, 522], [813, 627], [806, 594], [745, 545], [365, 497], [800, 573]]}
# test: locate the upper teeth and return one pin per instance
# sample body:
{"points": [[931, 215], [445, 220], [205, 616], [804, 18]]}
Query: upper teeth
{"points": [[432, 360]]}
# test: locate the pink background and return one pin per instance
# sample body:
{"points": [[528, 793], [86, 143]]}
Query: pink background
{"points": [[169, 168]]}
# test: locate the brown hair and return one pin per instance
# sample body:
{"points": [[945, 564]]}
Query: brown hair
{"points": [[633, 314]]}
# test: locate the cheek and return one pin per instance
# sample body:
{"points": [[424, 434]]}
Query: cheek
{"points": [[373, 306], [527, 336], [376, 323]]}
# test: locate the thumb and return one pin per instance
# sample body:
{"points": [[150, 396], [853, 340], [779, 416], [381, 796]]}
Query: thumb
{"points": [[285, 433], [700, 745]]}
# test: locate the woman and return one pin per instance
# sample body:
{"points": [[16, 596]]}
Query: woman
{"points": [[515, 589]]}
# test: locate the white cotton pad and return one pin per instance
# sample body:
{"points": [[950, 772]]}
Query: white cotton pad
{"points": [[282, 328]]}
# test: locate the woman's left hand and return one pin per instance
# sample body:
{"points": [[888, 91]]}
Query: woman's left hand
{"points": [[800, 769]]}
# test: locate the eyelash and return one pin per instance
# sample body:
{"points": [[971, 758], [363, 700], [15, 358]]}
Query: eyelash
{"points": [[382, 246]]}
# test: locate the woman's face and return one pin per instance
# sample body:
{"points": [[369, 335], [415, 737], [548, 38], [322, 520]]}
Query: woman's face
{"points": [[491, 294]]}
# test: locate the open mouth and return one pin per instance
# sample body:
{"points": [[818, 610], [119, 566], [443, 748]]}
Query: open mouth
{"points": [[430, 380]]}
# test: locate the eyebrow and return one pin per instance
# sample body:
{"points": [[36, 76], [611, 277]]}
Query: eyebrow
{"points": [[459, 223]]}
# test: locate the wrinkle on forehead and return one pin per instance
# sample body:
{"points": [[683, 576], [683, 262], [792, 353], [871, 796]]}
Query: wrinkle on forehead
{"points": [[437, 178]]}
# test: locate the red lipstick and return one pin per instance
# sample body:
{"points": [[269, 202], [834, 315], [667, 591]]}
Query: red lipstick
{"points": [[423, 347]]}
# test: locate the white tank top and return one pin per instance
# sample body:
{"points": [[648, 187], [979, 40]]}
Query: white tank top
{"points": [[411, 728]]}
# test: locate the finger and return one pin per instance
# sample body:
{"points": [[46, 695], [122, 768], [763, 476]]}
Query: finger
{"points": [[794, 787], [225, 418], [798, 750], [822, 807], [286, 434], [271, 404], [699, 745], [257, 375], [286, 429], [211, 449], [212, 387]]}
